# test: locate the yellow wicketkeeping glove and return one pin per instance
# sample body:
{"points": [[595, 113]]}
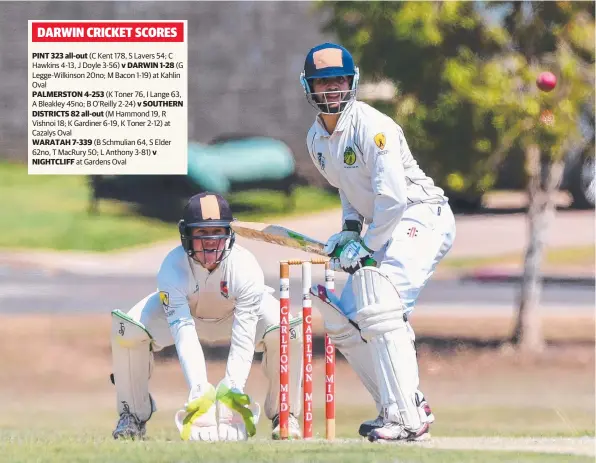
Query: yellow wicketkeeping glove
{"points": [[241, 404], [194, 410]]}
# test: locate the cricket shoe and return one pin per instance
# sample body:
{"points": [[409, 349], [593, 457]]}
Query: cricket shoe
{"points": [[397, 432], [369, 425], [293, 428], [129, 427], [426, 416]]}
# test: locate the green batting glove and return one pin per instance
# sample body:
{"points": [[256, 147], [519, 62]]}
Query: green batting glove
{"points": [[368, 262]]}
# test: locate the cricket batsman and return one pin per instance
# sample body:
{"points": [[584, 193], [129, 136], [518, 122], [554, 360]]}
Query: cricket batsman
{"points": [[364, 154], [208, 289]]}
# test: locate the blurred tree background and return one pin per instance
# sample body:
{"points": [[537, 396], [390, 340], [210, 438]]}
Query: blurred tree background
{"points": [[464, 77], [465, 74], [460, 67]]}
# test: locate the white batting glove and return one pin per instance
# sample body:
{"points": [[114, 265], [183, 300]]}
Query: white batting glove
{"points": [[351, 231], [355, 255]]}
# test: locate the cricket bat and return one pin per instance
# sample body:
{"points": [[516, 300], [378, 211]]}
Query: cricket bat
{"points": [[277, 234]]}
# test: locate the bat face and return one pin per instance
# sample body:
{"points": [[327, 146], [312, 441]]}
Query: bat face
{"points": [[282, 236], [277, 234]]}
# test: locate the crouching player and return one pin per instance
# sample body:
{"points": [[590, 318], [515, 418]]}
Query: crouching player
{"points": [[208, 289]]}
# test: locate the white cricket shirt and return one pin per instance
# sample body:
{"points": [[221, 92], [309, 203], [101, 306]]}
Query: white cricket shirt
{"points": [[368, 159]]}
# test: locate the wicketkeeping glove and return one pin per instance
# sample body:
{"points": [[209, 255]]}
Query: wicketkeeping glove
{"points": [[238, 414], [197, 420]]}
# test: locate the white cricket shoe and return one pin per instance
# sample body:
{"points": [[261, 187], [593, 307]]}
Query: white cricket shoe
{"points": [[293, 428], [378, 430], [397, 432]]}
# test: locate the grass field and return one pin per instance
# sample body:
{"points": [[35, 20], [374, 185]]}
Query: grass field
{"points": [[580, 256], [58, 404], [61, 432], [50, 212], [92, 449]]}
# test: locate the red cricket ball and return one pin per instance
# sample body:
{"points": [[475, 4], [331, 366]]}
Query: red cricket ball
{"points": [[546, 81]]}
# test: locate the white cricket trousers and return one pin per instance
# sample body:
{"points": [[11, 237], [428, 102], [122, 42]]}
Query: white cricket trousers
{"points": [[422, 238]]}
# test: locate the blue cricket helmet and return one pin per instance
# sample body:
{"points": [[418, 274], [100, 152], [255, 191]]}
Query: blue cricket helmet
{"points": [[325, 61]]}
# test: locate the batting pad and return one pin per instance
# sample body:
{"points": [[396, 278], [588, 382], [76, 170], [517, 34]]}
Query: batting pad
{"points": [[132, 362], [378, 306], [397, 372], [346, 337], [380, 318], [270, 364]]}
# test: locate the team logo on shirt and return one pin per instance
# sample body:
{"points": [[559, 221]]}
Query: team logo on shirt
{"points": [[380, 140], [223, 289], [164, 298], [349, 156]]}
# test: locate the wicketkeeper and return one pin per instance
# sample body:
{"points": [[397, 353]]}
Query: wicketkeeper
{"points": [[208, 289]]}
